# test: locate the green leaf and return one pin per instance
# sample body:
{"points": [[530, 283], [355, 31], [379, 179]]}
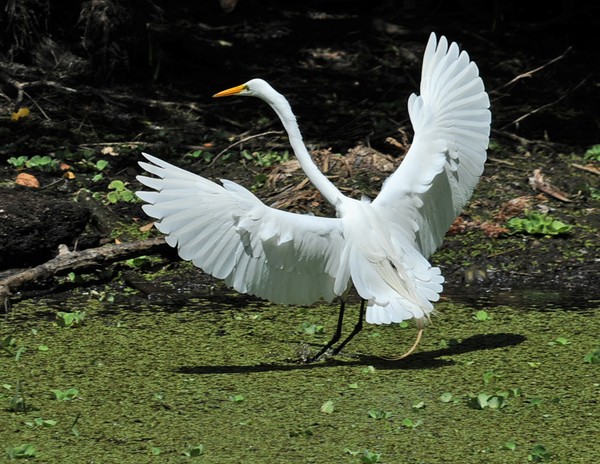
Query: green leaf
{"points": [[73, 319], [510, 445], [369, 457], [19, 352], [44, 422], [65, 395], [127, 195], [539, 454], [377, 414], [496, 402], [312, 329], [409, 423], [116, 185], [489, 376], [561, 341], [112, 197], [446, 397], [593, 357], [481, 315], [194, 451], [101, 164], [482, 400], [327, 407], [23, 451]]}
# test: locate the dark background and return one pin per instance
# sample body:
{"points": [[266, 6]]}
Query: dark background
{"points": [[139, 75], [331, 58]]}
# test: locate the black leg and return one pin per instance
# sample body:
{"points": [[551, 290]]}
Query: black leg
{"points": [[357, 328], [336, 335]]}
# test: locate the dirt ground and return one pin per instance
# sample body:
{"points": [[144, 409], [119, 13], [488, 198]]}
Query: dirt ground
{"points": [[348, 69]]}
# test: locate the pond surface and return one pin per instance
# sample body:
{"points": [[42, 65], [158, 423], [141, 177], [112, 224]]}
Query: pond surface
{"points": [[157, 379]]}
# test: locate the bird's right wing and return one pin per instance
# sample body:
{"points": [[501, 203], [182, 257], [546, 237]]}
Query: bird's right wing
{"points": [[229, 233], [451, 120]]}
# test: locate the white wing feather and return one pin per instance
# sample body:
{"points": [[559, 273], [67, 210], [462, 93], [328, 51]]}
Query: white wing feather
{"points": [[229, 233], [451, 121]]}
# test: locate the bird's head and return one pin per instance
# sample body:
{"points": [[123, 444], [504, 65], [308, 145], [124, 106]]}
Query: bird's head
{"points": [[252, 88]]}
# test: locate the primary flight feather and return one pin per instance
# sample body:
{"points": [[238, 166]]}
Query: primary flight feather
{"points": [[380, 247]]}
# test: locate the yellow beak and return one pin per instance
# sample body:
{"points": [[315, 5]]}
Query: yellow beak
{"points": [[231, 91]]}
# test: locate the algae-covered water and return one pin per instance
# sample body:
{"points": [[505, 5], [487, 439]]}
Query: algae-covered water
{"points": [[511, 385]]}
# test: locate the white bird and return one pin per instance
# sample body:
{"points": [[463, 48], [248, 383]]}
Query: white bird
{"points": [[380, 247]]}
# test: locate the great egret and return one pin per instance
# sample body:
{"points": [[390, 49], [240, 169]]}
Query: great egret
{"points": [[380, 247]]}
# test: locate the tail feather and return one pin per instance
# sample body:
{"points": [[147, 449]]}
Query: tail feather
{"points": [[396, 291]]}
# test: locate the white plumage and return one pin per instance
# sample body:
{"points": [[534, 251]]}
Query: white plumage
{"points": [[380, 247]]}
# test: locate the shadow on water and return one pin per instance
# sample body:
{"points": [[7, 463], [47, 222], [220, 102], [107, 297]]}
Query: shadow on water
{"points": [[423, 360]]}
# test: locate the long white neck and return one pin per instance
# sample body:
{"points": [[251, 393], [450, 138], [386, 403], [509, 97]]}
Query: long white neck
{"points": [[318, 179]]}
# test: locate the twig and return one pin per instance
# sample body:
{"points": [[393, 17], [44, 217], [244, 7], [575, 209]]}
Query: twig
{"points": [[533, 71], [547, 105], [110, 144], [21, 86], [37, 106], [501, 161], [245, 139], [106, 94], [588, 168], [510, 135]]}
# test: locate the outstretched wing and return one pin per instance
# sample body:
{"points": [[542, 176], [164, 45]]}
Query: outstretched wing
{"points": [[229, 233], [451, 120]]}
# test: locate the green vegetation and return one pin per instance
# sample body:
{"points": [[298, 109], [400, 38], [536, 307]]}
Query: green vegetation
{"points": [[119, 191], [593, 153], [23, 451], [39, 422], [65, 395], [411, 424], [41, 163], [593, 357], [310, 328], [538, 223], [164, 378], [446, 397], [483, 401], [204, 155], [266, 159], [16, 401], [257, 158], [99, 166], [539, 454], [377, 414], [194, 451], [328, 407], [74, 319], [365, 456], [481, 315]]}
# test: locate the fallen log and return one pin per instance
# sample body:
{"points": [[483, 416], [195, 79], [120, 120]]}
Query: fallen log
{"points": [[67, 261]]}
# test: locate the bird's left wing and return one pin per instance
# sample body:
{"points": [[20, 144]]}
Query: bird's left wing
{"points": [[451, 119], [229, 233]]}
